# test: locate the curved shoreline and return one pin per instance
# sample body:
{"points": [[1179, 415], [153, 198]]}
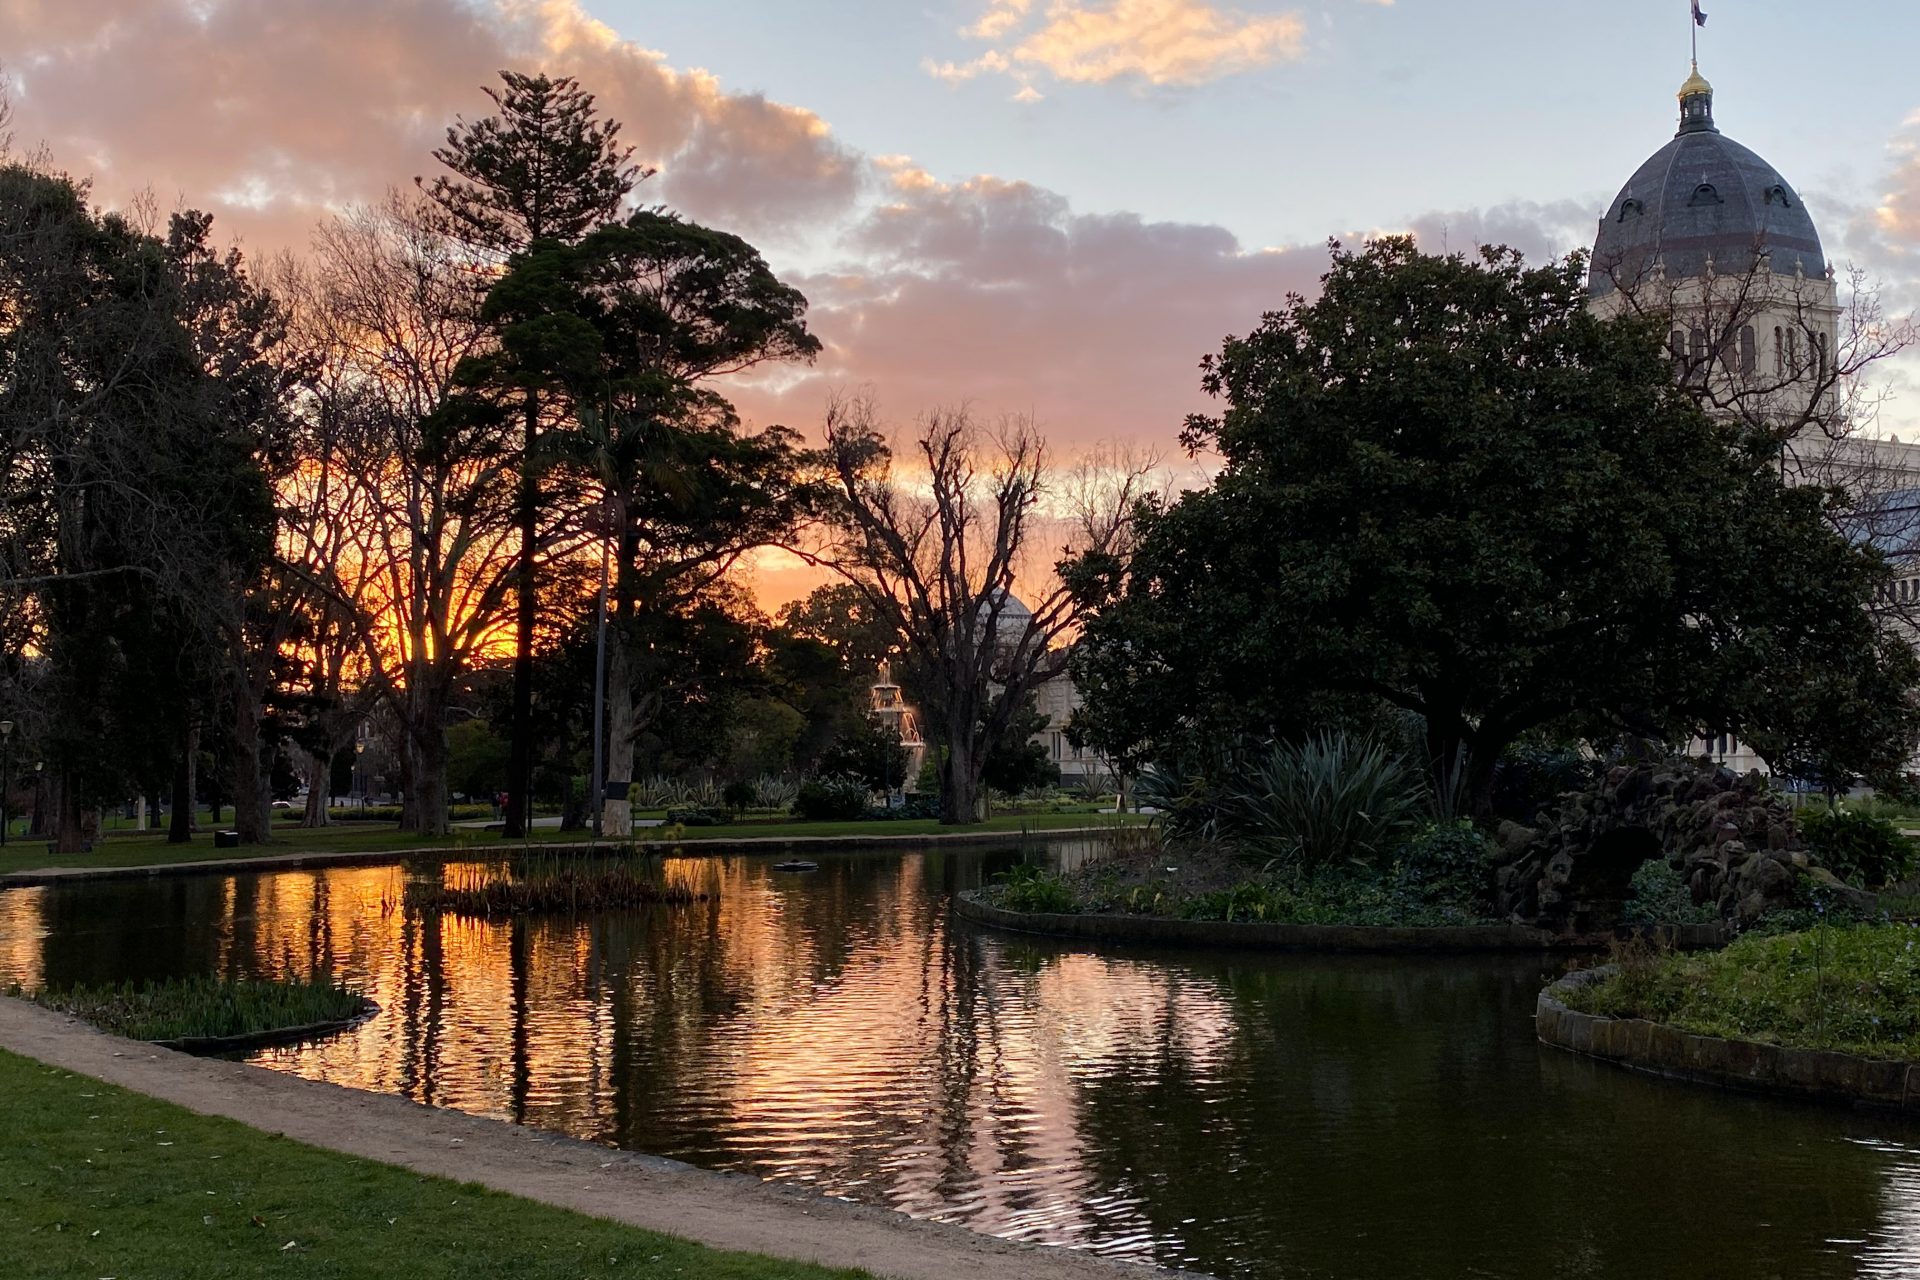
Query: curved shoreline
{"points": [[716, 845], [204, 1045], [968, 905], [727, 1211], [1748, 1066]]}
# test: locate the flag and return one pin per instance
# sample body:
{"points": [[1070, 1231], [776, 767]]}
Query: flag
{"points": [[1699, 15]]}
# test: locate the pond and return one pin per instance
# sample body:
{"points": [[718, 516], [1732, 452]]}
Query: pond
{"points": [[1240, 1114]]}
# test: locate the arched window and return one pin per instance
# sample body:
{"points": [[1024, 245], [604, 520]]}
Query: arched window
{"points": [[1748, 356], [1779, 350], [1630, 208], [1777, 194], [1700, 349], [1818, 343], [1793, 352], [1677, 345], [1706, 193]]}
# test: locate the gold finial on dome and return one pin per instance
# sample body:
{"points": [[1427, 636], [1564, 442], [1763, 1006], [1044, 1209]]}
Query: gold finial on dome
{"points": [[1696, 104]]}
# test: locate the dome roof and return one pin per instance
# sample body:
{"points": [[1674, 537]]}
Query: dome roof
{"points": [[1703, 196]]}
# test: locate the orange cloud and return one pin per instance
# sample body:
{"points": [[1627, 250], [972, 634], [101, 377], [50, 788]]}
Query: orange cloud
{"points": [[1152, 42]]}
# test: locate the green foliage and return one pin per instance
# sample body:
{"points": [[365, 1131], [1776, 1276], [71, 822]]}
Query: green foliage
{"points": [[1528, 778], [1450, 864], [1323, 802], [1027, 887], [202, 1007], [476, 759], [871, 753], [1016, 763], [1658, 895], [1853, 989], [830, 800], [1447, 484], [1355, 896], [1862, 849], [738, 795]]}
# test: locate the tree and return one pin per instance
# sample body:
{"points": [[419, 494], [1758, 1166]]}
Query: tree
{"points": [[1015, 762], [941, 565], [872, 754], [131, 481], [403, 511], [1447, 486], [623, 333], [543, 168]]}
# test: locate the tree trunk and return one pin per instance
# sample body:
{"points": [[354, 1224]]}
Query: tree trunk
{"points": [[70, 834], [520, 747], [319, 782], [616, 815], [427, 793], [180, 829], [252, 797], [960, 783]]}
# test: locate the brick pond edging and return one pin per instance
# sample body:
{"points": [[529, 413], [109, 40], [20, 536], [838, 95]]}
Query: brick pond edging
{"points": [[1745, 1065], [1162, 930]]}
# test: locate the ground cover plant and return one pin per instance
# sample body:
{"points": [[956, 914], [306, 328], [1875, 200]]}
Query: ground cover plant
{"points": [[1862, 848], [1855, 989], [203, 1007], [99, 1181]]}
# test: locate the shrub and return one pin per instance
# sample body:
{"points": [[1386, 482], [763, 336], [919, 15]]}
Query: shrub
{"points": [[1448, 863], [1861, 849], [698, 817], [1028, 888], [1527, 779], [830, 800], [739, 795], [1658, 895], [1328, 800]]}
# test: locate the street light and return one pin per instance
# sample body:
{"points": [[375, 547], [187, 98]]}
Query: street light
{"points": [[6, 775]]}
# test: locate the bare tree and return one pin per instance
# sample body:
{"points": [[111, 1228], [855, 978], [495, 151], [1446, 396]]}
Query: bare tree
{"points": [[941, 554], [408, 514]]}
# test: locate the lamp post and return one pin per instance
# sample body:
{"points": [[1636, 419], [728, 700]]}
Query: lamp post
{"points": [[359, 775], [6, 777]]}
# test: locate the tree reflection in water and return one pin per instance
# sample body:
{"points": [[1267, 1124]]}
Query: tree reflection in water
{"points": [[1265, 1116]]}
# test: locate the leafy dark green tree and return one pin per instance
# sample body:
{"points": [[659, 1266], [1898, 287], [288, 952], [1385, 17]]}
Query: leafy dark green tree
{"points": [[544, 167], [1015, 762], [133, 487], [872, 754], [624, 333], [1447, 486]]}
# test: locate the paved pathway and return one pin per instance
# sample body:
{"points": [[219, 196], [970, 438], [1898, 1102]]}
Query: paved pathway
{"points": [[726, 1211]]}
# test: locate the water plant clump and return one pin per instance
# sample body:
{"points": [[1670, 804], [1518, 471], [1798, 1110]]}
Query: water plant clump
{"points": [[1851, 988], [550, 885], [202, 1008]]}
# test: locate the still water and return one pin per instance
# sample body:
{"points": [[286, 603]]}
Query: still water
{"points": [[1240, 1114]]}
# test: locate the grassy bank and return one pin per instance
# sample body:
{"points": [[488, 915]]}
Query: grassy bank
{"points": [[1852, 989], [97, 1181], [203, 1007], [152, 849]]}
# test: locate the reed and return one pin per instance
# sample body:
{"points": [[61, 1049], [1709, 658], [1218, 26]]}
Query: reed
{"points": [[538, 884], [202, 1007]]}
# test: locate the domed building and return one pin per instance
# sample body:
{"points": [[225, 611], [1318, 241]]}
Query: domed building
{"points": [[1709, 233], [1713, 238]]}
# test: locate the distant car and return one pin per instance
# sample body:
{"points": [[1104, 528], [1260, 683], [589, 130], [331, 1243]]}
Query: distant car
{"points": [[283, 804]]}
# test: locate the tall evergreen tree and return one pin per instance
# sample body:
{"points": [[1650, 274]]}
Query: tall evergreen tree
{"points": [[543, 167]]}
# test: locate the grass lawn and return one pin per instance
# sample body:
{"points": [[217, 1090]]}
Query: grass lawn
{"points": [[97, 1181], [151, 848], [1855, 989]]}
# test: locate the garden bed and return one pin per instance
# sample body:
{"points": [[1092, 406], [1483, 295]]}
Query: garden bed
{"points": [[1830, 1013], [212, 1015]]}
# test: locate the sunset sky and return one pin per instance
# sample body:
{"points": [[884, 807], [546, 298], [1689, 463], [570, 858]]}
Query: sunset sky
{"points": [[1044, 206]]}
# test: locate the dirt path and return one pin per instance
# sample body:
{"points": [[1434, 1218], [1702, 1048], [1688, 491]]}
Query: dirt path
{"points": [[723, 1210]]}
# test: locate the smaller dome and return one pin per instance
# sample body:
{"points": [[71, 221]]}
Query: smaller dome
{"points": [[1695, 84]]}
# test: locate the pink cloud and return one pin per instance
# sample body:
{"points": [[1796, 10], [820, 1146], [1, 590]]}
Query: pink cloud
{"points": [[273, 112]]}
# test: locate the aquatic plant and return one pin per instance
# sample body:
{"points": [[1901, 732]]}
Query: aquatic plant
{"points": [[1027, 887], [550, 884], [202, 1007]]}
